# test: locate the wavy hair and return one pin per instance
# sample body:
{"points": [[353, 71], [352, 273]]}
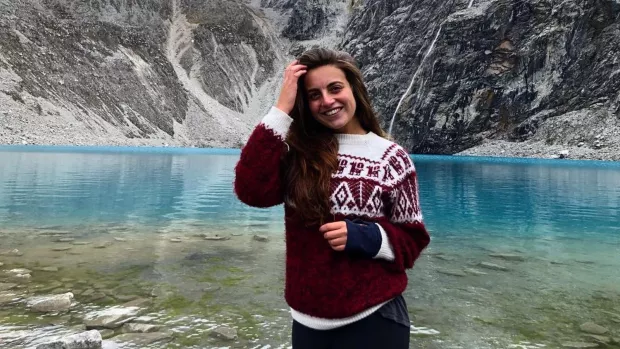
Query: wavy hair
{"points": [[312, 158]]}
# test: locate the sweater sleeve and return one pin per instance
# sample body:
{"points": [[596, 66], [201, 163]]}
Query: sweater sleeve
{"points": [[258, 180], [403, 224]]}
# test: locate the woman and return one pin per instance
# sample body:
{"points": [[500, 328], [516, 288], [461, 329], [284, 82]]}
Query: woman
{"points": [[352, 217]]}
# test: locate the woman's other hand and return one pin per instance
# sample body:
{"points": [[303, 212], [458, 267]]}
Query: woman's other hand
{"points": [[286, 100], [336, 234]]}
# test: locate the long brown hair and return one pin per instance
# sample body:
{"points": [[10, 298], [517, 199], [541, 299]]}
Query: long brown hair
{"points": [[312, 158]]}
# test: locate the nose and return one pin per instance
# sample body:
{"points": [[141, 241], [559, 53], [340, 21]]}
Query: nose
{"points": [[327, 100]]}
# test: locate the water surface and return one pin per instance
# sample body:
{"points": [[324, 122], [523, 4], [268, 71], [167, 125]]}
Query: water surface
{"points": [[551, 227]]}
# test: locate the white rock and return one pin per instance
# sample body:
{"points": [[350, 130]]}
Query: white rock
{"points": [[113, 317], [84, 340], [46, 304]]}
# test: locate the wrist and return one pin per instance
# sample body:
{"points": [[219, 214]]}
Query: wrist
{"points": [[284, 109], [363, 238]]}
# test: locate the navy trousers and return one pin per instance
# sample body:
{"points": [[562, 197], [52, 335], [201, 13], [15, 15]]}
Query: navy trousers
{"points": [[372, 332]]}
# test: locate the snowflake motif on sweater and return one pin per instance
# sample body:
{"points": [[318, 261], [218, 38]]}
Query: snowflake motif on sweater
{"points": [[376, 181]]}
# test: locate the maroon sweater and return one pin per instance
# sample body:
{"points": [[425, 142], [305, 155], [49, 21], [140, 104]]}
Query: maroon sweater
{"points": [[376, 181]]}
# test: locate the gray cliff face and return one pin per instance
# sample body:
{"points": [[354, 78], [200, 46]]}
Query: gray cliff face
{"points": [[445, 76], [470, 71], [151, 72]]}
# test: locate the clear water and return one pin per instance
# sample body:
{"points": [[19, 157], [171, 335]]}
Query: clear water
{"points": [[553, 225]]}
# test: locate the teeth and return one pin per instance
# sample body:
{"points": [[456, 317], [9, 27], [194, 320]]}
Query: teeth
{"points": [[332, 112]]}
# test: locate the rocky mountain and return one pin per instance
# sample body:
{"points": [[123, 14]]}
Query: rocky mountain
{"points": [[451, 75], [489, 77]]}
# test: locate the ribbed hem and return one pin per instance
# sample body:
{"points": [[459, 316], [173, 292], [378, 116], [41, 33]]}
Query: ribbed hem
{"points": [[328, 324], [386, 252], [345, 138], [278, 121]]}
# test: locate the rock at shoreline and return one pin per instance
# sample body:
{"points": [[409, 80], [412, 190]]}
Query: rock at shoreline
{"points": [[6, 298], [55, 303], [216, 237], [12, 253], [261, 238], [143, 338], [48, 269], [224, 332], [6, 286], [110, 318], [85, 340], [140, 328]]}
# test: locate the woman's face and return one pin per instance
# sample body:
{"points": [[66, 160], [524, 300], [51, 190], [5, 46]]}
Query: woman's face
{"points": [[331, 99]]}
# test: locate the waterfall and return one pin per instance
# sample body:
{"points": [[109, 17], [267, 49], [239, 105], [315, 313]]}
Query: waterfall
{"points": [[415, 75]]}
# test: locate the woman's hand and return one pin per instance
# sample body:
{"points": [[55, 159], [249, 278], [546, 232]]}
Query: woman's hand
{"points": [[286, 100], [336, 234]]}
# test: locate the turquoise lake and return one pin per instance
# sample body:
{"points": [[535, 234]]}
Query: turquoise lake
{"points": [[523, 251]]}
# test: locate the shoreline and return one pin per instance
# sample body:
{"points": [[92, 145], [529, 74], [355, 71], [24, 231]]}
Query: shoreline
{"points": [[500, 149]]}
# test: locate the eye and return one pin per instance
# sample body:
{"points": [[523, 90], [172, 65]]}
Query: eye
{"points": [[313, 96], [336, 88]]}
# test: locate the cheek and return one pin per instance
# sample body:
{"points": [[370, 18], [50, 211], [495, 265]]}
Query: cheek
{"points": [[314, 107]]}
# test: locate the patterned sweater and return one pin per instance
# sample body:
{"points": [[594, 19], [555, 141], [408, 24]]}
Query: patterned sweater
{"points": [[375, 181]]}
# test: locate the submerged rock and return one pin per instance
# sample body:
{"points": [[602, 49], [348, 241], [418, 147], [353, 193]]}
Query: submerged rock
{"points": [[143, 338], [6, 298], [55, 303], [474, 271], [12, 253], [600, 339], [452, 272], [224, 332], [140, 328], [111, 318], [508, 256], [103, 244], [492, 266], [261, 238], [216, 237], [137, 302], [579, 345], [591, 327], [18, 271], [48, 269], [85, 340], [106, 333], [6, 286]]}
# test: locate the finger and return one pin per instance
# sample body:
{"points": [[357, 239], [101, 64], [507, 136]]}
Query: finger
{"points": [[339, 241], [335, 234], [338, 248], [296, 68], [331, 226], [300, 73]]}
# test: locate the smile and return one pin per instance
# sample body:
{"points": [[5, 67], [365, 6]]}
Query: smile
{"points": [[332, 111]]}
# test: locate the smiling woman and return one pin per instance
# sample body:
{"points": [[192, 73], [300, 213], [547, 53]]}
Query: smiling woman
{"points": [[352, 214], [331, 100]]}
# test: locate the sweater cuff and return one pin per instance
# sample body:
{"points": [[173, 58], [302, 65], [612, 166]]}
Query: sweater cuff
{"points": [[278, 121], [385, 251]]}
